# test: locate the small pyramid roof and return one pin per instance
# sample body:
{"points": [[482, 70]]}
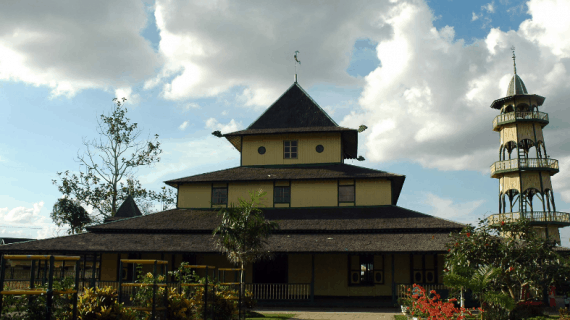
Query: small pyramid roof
{"points": [[128, 209], [294, 109]]}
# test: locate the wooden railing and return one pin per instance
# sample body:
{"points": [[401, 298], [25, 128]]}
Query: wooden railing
{"points": [[280, 291], [535, 216], [524, 163], [402, 289], [261, 291], [513, 116]]}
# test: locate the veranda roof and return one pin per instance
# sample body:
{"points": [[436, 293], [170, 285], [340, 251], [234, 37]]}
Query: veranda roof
{"points": [[291, 220], [337, 229], [204, 243]]}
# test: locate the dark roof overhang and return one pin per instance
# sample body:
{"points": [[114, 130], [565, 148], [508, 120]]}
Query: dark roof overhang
{"points": [[498, 104]]}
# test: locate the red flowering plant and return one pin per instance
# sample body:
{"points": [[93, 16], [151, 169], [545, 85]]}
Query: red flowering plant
{"points": [[431, 307], [500, 263]]}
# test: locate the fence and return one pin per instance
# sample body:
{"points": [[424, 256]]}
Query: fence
{"points": [[402, 289], [280, 291]]}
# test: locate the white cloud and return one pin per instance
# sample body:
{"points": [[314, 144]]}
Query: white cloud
{"points": [[465, 212], [210, 47], [489, 7], [474, 16], [191, 105], [71, 46], [183, 125], [28, 222], [429, 100], [127, 92], [232, 126], [187, 157], [22, 214]]}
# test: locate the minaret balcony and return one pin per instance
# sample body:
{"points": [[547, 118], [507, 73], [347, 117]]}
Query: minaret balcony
{"points": [[538, 164], [511, 117], [534, 217]]}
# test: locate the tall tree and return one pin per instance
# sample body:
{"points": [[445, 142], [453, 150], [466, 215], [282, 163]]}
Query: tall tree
{"points": [[69, 212], [243, 232], [109, 164]]}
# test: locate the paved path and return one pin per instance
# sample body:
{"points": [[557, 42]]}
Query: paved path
{"points": [[368, 314]]}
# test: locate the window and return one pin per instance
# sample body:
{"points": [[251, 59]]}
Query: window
{"points": [[282, 195], [220, 195], [346, 193], [362, 270], [290, 149]]}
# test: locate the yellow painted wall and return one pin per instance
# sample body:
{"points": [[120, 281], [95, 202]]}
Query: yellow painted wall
{"points": [[304, 193], [109, 266], [402, 267], [238, 190], [307, 143], [331, 279], [300, 268], [314, 193], [195, 195], [373, 192]]}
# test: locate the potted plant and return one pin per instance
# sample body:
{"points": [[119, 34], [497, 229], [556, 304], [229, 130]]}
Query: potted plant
{"points": [[405, 304]]}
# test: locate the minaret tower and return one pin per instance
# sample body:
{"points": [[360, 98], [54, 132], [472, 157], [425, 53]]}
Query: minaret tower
{"points": [[524, 168]]}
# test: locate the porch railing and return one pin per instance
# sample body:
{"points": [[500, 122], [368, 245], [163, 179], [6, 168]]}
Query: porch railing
{"points": [[535, 216], [280, 291], [530, 163], [261, 291], [514, 116], [402, 288]]}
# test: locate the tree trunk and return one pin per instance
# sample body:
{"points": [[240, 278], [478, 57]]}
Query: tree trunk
{"points": [[241, 289]]}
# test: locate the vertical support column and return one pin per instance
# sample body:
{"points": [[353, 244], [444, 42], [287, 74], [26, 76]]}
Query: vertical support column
{"points": [[121, 280], [77, 266], [93, 267], [49, 297], [2, 271], [313, 278], [206, 295], [394, 297], [153, 315]]}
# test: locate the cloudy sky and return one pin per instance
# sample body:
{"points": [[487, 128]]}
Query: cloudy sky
{"points": [[420, 74]]}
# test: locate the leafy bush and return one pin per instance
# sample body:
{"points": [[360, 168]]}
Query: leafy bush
{"points": [[102, 304]]}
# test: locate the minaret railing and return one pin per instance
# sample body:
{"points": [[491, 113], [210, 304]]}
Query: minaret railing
{"points": [[546, 164], [534, 216], [514, 116]]}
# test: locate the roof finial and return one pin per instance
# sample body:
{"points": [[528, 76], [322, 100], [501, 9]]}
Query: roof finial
{"points": [[514, 62], [296, 60]]}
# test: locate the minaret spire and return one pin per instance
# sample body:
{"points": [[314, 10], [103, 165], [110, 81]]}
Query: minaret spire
{"points": [[514, 57], [296, 61]]}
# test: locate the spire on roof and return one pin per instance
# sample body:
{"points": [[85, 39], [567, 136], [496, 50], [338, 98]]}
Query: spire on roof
{"points": [[514, 57], [296, 61]]}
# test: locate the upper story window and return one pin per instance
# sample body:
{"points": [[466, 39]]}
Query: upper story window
{"points": [[282, 195], [220, 195], [346, 193], [290, 149]]}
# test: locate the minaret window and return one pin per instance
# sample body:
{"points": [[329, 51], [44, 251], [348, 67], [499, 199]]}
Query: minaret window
{"points": [[290, 149]]}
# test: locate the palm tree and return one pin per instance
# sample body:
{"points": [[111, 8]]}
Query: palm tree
{"points": [[243, 233]]}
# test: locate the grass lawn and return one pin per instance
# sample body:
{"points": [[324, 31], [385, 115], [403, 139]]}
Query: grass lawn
{"points": [[256, 315]]}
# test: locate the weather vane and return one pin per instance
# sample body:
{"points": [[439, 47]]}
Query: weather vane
{"points": [[514, 62], [296, 61]]}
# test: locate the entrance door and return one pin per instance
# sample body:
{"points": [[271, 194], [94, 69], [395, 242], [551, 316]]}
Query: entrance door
{"points": [[274, 270]]}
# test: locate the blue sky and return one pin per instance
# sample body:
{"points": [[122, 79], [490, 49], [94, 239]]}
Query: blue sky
{"points": [[420, 74]]}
